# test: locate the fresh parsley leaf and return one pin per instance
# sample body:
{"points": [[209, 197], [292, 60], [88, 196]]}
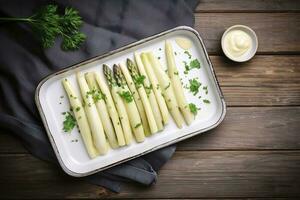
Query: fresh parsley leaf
{"points": [[193, 108], [194, 86], [47, 24], [96, 95], [188, 54], [206, 101], [139, 80], [138, 125], [168, 86], [69, 123], [195, 64], [126, 96]]}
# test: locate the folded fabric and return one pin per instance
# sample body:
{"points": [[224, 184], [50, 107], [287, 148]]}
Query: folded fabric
{"points": [[108, 25]]}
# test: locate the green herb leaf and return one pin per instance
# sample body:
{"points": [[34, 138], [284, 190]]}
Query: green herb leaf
{"points": [[194, 86], [69, 122], [168, 86], [188, 54], [138, 125], [193, 108], [206, 101], [126, 96], [139, 79], [195, 64], [47, 24], [96, 95]]}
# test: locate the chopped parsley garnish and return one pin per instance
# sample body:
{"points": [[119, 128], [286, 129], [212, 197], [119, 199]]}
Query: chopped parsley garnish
{"points": [[205, 89], [206, 101], [193, 108], [138, 125], [96, 95], [158, 57], [77, 109], [175, 53], [139, 80], [194, 86], [167, 86], [62, 96], [176, 73], [69, 122], [148, 89], [159, 49], [188, 54], [195, 64], [126, 96]]}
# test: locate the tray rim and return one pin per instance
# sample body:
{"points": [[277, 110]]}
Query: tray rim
{"points": [[79, 64]]}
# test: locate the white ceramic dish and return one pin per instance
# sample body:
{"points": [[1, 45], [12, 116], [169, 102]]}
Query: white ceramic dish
{"points": [[251, 52], [73, 157]]}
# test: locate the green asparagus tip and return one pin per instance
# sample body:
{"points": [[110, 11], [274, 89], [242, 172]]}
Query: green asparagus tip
{"points": [[119, 75], [131, 67], [108, 74]]}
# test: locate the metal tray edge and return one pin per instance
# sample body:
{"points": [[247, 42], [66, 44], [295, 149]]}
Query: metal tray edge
{"points": [[38, 104]]}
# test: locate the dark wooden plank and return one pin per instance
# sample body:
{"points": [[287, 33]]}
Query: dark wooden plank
{"points": [[261, 96], [251, 128], [248, 6], [187, 175], [244, 128], [263, 81], [261, 71], [277, 32]]}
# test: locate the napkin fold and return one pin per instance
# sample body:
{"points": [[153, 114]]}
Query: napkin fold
{"points": [[108, 25]]}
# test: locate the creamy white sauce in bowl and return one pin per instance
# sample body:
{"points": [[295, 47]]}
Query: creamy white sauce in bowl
{"points": [[239, 43]]}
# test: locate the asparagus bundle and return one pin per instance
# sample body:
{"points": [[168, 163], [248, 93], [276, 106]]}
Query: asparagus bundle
{"points": [[111, 109], [81, 119], [132, 111], [136, 98], [115, 89], [138, 82], [92, 116], [150, 94], [176, 83], [98, 98], [167, 89], [156, 88]]}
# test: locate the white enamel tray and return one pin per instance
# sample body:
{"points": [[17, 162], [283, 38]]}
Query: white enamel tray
{"points": [[69, 147]]}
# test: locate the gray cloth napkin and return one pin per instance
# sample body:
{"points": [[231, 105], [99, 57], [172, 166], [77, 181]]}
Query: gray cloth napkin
{"points": [[108, 25]]}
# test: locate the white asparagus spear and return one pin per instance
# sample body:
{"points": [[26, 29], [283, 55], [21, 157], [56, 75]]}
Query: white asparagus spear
{"points": [[176, 83], [111, 109], [150, 94], [102, 110], [136, 81], [131, 108], [81, 119], [167, 89], [92, 116], [115, 90], [137, 99], [156, 88]]}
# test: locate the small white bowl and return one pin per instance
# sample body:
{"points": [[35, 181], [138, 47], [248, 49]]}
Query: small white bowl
{"points": [[251, 52]]}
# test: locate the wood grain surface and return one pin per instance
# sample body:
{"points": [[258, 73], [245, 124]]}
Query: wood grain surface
{"points": [[254, 153]]}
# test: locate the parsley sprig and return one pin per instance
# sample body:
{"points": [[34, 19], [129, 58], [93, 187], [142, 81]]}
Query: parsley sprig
{"points": [[69, 122], [47, 24], [126, 96]]}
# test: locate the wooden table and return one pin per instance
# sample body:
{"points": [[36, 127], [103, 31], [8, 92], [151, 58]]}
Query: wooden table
{"points": [[254, 153]]}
